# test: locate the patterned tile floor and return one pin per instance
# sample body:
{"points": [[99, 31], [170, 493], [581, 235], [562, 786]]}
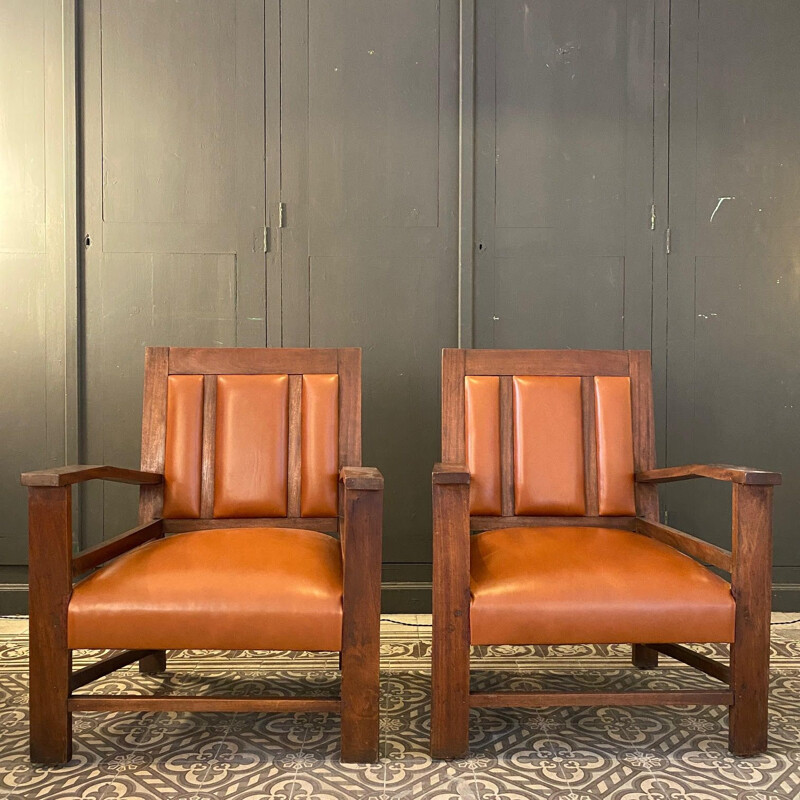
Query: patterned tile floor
{"points": [[557, 754]]}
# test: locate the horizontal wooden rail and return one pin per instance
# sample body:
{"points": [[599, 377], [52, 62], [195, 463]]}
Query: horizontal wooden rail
{"points": [[117, 702], [694, 659], [495, 523], [103, 667], [686, 543], [549, 699], [322, 524], [105, 551]]}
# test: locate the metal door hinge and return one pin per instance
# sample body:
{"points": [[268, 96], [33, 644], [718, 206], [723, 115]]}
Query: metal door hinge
{"points": [[281, 215], [266, 239], [668, 241], [666, 516], [653, 217]]}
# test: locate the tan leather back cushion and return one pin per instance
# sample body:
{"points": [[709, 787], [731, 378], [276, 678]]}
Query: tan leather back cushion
{"points": [[251, 446], [547, 418]]}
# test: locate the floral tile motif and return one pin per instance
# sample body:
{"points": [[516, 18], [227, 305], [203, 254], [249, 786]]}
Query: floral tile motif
{"points": [[658, 753]]}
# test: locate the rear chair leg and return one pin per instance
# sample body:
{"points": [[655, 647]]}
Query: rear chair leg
{"points": [[154, 663], [644, 657]]}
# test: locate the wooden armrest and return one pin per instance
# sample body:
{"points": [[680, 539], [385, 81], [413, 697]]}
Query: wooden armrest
{"points": [[450, 474], [363, 478], [718, 472], [78, 473]]}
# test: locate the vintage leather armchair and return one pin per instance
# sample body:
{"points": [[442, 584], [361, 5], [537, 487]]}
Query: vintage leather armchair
{"points": [[551, 456], [250, 456]]}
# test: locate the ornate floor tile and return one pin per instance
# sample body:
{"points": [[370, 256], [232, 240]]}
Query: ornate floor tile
{"points": [[657, 753]]}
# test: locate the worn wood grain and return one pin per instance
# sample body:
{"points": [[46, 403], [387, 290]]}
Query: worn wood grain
{"points": [[451, 626], [686, 543], [100, 553], [226, 705], [154, 429], [677, 697], [718, 472], [251, 360], [50, 586], [361, 605], [589, 446], [78, 473], [751, 583], [209, 446], [294, 456]]}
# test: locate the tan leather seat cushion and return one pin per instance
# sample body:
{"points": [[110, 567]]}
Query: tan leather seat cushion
{"points": [[594, 586], [239, 589]]}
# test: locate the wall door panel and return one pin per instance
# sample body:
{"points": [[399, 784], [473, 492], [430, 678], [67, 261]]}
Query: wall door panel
{"points": [[733, 375], [32, 258], [564, 174], [175, 182], [369, 175]]}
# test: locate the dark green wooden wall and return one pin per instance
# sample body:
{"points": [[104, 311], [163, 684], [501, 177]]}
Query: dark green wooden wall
{"points": [[490, 173]]}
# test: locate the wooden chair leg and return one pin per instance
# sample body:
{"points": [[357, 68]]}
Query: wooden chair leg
{"points": [[644, 657], [449, 693], [50, 660], [360, 704], [751, 582], [154, 663], [361, 624], [451, 629]]}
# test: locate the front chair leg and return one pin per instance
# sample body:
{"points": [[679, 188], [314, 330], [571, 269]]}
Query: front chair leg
{"points": [[154, 663], [50, 659], [360, 704], [751, 583], [644, 657], [361, 614]]}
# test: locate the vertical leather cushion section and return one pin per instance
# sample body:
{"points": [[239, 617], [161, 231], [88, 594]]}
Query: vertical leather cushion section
{"points": [[252, 441], [482, 438], [548, 446], [614, 446], [319, 446], [184, 445]]}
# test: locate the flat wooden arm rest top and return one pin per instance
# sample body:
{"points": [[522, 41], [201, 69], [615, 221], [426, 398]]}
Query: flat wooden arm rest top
{"points": [[78, 473], [718, 472], [363, 478], [450, 474]]}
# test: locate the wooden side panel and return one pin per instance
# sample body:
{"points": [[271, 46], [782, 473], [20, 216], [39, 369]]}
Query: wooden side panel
{"points": [[563, 173]]}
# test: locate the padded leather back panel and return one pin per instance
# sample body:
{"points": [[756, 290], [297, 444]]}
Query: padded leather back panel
{"points": [[251, 446], [548, 446], [319, 442], [549, 451]]}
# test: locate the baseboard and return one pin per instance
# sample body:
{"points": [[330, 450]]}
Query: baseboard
{"points": [[13, 598], [397, 597], [406, 597], [786, 597]]}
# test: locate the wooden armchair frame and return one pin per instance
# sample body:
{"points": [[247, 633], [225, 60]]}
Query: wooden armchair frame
{"points": [[52, 565], [749, 562]]}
